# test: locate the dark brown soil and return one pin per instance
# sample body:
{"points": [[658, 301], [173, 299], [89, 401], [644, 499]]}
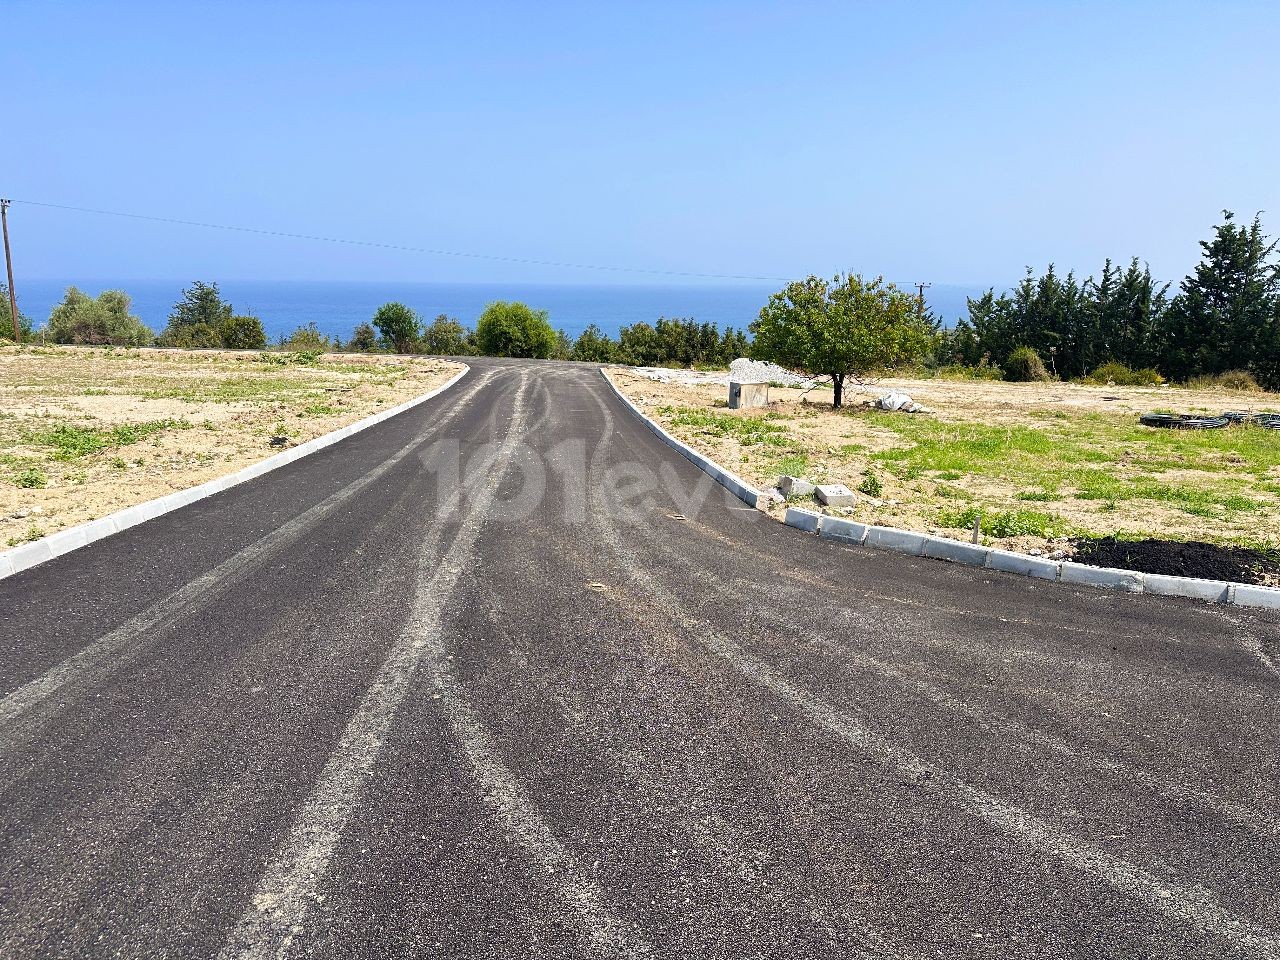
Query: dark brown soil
{"points": [[1181, 559]]}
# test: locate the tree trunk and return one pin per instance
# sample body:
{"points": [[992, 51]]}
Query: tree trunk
{"points": [[837, 380]]}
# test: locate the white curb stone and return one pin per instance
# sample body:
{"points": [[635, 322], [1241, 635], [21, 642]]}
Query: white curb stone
{"points": [[1109, 577], [900, 541], [1010, 562], [64, 541], [970, 554], [834, 494], [1250, 595], [1215, 591], [805, 520], [846, 531]]}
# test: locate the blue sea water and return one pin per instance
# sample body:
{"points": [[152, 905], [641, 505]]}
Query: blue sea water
{"points": [[336, 307]]}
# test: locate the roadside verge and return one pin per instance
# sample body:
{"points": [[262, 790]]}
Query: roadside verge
{"points": [[928, 546], [29, 555]]}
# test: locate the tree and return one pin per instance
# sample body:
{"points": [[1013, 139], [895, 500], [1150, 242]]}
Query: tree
{"points": [[242, 332], [200, 303], [1225, 316], [848, 327], [398, 326], [25, 327], [444, 336], [105, 319], [593, 346], [364, 339], [515, 330]]}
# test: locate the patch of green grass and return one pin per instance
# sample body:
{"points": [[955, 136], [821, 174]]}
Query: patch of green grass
{"points": [[1037, 496], [1005, 523], [793, 465], [320, 410], [749, 431], [30, 478], [71, 441], [871, 485]]}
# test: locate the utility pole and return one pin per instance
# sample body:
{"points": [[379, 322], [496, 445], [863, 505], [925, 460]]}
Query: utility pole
{"points": [[920, 286], [8, 265]]}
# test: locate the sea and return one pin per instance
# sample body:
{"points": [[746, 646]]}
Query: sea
{"points": [[336, 307]]}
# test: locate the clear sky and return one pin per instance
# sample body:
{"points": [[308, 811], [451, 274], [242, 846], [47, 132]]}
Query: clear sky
{"points": [[953, 142]]}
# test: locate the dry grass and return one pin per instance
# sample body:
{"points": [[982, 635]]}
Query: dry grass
{"points": [[1038, 461], [84, 432]]}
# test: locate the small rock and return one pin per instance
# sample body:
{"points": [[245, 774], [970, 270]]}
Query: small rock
{"points": [[1035, 552], [794, 487], [834, 495], [1057, 555]]}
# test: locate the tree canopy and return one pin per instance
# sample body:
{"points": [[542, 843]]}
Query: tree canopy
{"points": [[512, 329], [100, 320], [845, 327], [398, 327]]}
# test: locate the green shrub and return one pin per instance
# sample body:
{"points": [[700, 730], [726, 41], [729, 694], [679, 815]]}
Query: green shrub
{"points": [[193, 336], [1117, 374], [1007, 523], [100, 321], [1025, 366], [1238, 380], [31, 478], [306, 339], [242, 332], [871, 485]]}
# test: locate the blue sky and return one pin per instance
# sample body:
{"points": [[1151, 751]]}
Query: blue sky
{"points": [[952, 142]]}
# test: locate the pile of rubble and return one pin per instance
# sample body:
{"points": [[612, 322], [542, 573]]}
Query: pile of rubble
{"points": [[834, 495]]}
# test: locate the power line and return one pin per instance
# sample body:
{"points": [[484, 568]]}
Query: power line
{"points": [[404, 248]]}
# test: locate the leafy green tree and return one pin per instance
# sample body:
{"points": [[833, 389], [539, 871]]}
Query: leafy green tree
{"points": [[25, 327], [242, 332], [639, 346], [515, 330], [1225, 316], [398, 326], [444, 336], [105, 319], [733, 344], [364, 339], [594, 346], [848, 327], [200, 303]]}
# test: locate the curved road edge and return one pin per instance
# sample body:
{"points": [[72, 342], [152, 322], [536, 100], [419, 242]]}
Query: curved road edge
{"points": [[63, 542], [928, 546]]}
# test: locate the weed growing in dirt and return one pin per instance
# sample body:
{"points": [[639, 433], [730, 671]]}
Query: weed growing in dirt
{"points": [[71, 441], [31, 478], [1006, 523]]}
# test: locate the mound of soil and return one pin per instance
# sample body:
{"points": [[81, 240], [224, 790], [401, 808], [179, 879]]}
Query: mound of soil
{"points": [[1179, 559]]}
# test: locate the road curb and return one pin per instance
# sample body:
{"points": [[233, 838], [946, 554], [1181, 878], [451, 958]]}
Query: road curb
{"points": [[730, 481], [64, 541], [918, 544]]}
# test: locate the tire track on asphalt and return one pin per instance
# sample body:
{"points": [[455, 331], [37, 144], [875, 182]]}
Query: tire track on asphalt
{"points": [[1185, 903], [290, 884], [119, 647], [1229, 810]]}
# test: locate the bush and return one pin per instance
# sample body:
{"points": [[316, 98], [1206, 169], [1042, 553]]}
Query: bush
{"points": [[515, 330], [1239, 380], [193, 336], [242, 333], [307, 339], [100, 321], [446, 337], [1025, 366], [364, 339], [1117, 374], [963, 371]]}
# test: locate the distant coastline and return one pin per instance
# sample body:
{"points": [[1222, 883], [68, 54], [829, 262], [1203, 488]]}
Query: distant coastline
{"points": [[336, 307]]}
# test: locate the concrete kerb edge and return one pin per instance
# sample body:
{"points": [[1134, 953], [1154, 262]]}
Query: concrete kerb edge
{"points": [[730, 481], [925, 545], [28, 555]]}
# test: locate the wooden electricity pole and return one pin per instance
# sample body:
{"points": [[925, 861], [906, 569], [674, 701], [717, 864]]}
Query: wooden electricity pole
{"points": [[8, 265], [920, 287]]}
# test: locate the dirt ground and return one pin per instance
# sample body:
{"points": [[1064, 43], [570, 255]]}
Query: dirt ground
{"points": [[86, 431], [1046, 465]]}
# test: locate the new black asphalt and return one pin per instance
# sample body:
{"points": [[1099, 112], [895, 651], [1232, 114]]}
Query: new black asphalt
{"points": [[506, 677]]}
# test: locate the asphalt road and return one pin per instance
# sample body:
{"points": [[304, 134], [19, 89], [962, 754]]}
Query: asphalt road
{"points": [[505, 677]]}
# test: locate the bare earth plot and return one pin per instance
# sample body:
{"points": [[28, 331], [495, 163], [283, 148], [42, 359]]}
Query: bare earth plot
{"points": [[85, 432], [1041, 463]]}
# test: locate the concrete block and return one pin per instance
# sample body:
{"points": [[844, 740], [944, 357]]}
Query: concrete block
{"points": [[1249, 595], [1108, 577], [900, 541], [834, 495], [846, 531], [1214, 591], [747, 396], [1009, 562], [791, 487], [970, 554], [805, 520]]}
